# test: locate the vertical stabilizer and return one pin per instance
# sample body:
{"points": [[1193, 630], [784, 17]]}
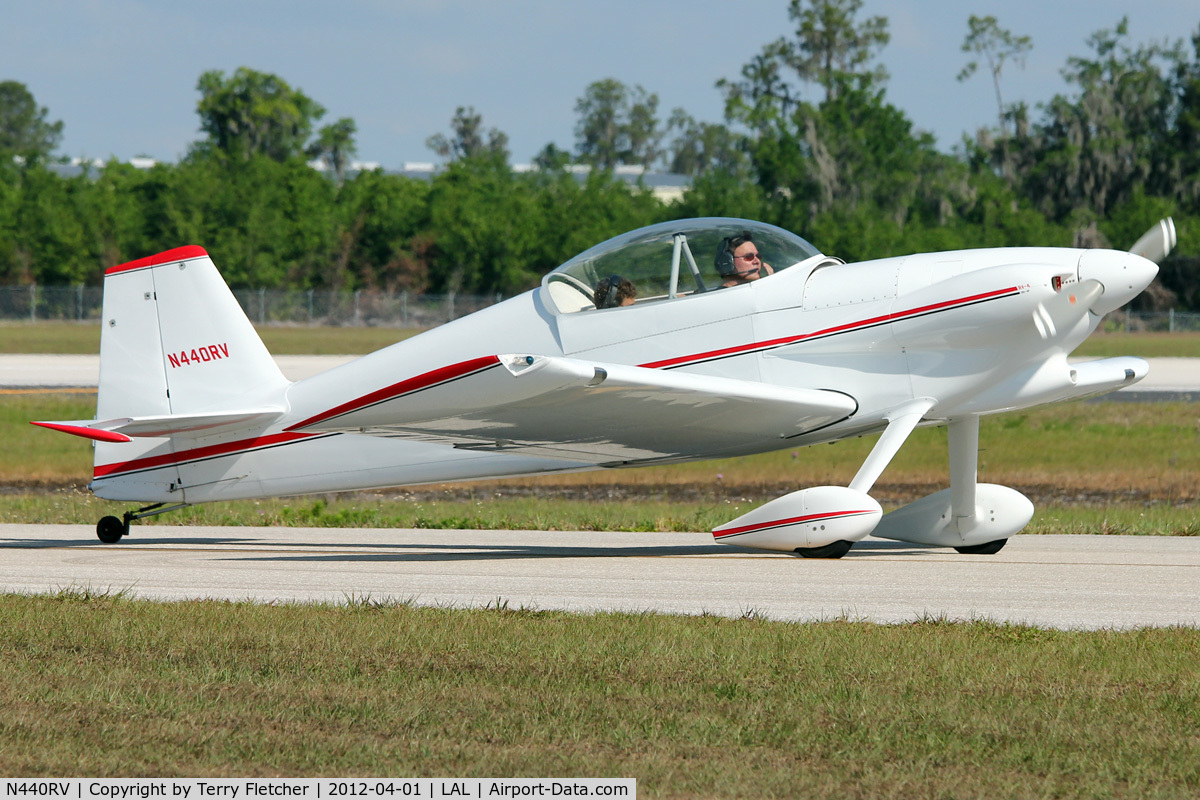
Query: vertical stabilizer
{"points": [[174, 341]]}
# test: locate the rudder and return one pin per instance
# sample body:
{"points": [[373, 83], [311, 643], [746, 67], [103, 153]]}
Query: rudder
{"points": [[175, 341]]}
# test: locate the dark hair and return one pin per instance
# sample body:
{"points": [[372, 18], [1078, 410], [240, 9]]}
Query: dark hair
{"points": [[612, 290], [724, 259]]}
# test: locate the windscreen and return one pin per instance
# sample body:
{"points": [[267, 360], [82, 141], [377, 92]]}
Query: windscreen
{"points": [[670, 260]]}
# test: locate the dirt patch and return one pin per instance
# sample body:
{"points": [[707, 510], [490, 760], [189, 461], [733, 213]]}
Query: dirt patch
{"points": [[888, 494]]}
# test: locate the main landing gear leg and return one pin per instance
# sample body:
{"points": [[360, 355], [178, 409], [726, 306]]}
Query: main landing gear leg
{"points": [[901, 423], [110, 529], [964, 478]]}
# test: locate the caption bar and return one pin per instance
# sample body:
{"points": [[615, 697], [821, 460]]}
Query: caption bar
{"points": [[314, 788]]}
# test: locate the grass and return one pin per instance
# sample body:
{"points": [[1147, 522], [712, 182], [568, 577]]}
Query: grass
{"points": [[44, 459], [76, 506], [101, 685], [484, 512], [1147, 345], [84, 337]]}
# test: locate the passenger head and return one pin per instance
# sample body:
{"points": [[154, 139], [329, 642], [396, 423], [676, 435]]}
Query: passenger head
{"points": [[614, 291]]}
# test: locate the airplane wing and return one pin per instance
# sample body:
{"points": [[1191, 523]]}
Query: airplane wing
{"points": [[585, 411]]}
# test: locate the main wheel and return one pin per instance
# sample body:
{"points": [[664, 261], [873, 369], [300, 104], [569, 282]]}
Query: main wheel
{"points": [[110, 529], [985, 549], [834, 550]]}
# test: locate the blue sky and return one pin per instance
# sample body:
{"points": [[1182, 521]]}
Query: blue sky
{"points": [[121, 74]]}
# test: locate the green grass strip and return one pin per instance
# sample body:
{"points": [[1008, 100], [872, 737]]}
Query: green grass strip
{"points": [[692, 707], [527, 513]]}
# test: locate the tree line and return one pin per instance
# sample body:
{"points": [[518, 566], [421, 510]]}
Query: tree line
{"points": [[808, 141]]}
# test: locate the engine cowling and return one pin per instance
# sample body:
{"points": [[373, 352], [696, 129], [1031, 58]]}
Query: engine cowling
{"points": [[812, 517]]}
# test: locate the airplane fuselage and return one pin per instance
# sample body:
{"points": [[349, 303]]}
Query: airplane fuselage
{"points": [[974, 332]]}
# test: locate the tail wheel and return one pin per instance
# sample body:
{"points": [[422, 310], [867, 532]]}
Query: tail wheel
{"points": [[985, 549], [111, 529], [833, 550]]}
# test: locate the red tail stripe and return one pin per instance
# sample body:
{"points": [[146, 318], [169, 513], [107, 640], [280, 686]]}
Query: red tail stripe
{"points": [[178, 254], [777, 523]]}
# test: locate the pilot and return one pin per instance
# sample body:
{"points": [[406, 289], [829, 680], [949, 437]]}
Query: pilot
{"points": [[738, 261], [614, 291]]}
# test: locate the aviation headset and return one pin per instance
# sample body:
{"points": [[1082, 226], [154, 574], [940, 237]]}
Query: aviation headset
{"points": [[724, 260], [610, 293]]}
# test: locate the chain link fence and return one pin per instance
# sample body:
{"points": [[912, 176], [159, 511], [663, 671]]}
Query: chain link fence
{"points": [[1151, 321], [402, 310], [264, 306]]}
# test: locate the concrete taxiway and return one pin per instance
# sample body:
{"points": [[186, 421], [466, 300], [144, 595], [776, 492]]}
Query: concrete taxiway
{"points": [[1068, 582]]}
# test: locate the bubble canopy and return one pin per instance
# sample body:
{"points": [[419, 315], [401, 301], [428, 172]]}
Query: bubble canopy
{"points": [[669, 260]]}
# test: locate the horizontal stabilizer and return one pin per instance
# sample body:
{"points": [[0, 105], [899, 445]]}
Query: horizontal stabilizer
{"points": [[84, 428], [187, 426], [583, 410]]}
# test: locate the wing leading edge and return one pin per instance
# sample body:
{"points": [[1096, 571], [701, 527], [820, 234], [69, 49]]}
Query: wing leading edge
{"points": [[600, 413]]}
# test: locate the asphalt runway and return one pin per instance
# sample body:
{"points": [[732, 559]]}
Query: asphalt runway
{"points": [[1066, 582]]}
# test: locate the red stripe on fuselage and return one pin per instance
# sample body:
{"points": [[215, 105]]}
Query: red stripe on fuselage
{"points": [[848, 327], [416, 384], [166, 257], [289, 436], [197, 453], [464, 368]]}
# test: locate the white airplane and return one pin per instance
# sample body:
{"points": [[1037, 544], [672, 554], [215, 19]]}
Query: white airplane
{"points": [[742, 338]]}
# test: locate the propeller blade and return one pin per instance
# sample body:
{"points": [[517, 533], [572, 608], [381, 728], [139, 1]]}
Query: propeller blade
{"points": [[1156, 242]]}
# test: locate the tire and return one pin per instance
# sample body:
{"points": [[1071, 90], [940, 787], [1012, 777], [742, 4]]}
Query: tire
{"points": [[110, 530], [985, 549], [835, 550]]}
